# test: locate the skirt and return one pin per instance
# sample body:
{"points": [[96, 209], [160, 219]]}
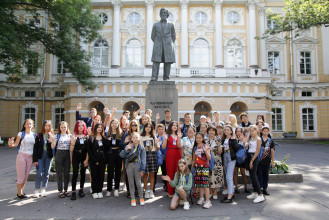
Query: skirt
{"points": [[201, 177], [151, 162]]}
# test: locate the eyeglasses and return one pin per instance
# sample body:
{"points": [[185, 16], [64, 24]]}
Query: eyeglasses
{"points": [[133, 125]]}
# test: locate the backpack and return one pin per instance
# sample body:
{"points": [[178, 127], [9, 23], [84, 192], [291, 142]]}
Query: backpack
{"points": [[22, 137], [241, 154], [260, 153]]}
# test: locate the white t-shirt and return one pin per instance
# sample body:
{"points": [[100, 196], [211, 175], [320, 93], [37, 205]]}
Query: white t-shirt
{"points": [[64, 142], [27, 143], [252, 146], [226, 144]]}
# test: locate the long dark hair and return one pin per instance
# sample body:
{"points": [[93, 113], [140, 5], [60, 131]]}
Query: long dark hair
{"points": [[195, 143], [95, 130], [169, 130], [151, 132], [224, 135]]}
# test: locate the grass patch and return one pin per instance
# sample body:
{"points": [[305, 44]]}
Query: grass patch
{"points": [[322, 142]]}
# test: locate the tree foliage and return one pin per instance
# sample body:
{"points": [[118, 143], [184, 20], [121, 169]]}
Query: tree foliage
{"points": [[299, 15], [69, 22]]}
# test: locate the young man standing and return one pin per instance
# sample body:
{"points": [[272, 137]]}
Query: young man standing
{"points": [[217, 120], [167, 119], [187, 123], [88, 121]]}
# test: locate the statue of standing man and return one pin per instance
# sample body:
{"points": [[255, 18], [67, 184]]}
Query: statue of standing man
{"points": [[164, 36]]}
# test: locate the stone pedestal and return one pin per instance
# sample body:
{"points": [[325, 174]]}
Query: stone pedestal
{"points": [[162, 95]]}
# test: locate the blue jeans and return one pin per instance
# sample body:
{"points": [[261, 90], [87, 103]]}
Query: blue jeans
{"points": [[229, 166], [44, 165]]}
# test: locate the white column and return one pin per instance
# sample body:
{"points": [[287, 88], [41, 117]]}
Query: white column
{"points": [[262, 47], [218, 34], [149, 43], [184, 35], [252, 34], [116, 44]]}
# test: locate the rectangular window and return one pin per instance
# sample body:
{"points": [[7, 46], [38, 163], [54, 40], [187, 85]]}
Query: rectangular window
{"points": [[273, 62], [29, 113], [61, 67], [270, 23], [59, 93], [32, 66], [277, 119], [59, 116], [276, 93], [305, 63], [306, 94], [308, 119], [29, 93]]}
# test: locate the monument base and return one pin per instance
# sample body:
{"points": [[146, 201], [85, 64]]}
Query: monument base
{"points": [[162, 95]]}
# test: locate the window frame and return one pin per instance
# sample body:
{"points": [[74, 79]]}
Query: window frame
{"points": [[230, 15], [273, 58], [307, 115], [61, 116], [199, 20], [101, 48], [303, 61], [275, 119]]}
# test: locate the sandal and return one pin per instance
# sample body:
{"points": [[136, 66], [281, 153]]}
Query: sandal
{"points": [[67, 194], [61, 195]]}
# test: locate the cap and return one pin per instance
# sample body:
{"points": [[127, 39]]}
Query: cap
{"points": [[203, 116], [266, 127]]}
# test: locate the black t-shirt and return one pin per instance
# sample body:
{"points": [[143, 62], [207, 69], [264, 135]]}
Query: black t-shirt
{"points": [[267, 146], [165, 123]]}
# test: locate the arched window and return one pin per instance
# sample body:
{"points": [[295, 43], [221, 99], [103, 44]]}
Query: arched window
{"points": [[134, 18], [201, 108], [237, 108], [233, 17], [131, 107], [101, 54], [99, 107], [200, 18], [201, 53], [234, 54], [134, 54]]}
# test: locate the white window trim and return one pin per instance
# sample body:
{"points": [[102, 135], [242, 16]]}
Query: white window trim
{"points": [[280, 61], [315, 115], [210, 47], [109, 52], [30, 104], [59, 104], [124, 50], [244, 51], [277, 104], [312, 62]]}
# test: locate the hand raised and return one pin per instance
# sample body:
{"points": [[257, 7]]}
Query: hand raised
{"points": [[79, 106]]}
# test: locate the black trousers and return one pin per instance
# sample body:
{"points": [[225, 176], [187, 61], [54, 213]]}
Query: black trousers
{"points": [[253, 175], [164, 171], [77, 161], [114, 166], [97, 176]]}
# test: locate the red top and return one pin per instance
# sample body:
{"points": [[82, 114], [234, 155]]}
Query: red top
{"points": [[170, 143]]}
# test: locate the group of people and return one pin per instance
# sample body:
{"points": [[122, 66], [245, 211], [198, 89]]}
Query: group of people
{"points": [[195, 161]]}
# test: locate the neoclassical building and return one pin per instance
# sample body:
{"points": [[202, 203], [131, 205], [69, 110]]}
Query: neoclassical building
{"points": [[220, 66]]}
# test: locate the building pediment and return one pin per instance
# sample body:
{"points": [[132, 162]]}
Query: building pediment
{"points": [[275, 40], [306, 40]]}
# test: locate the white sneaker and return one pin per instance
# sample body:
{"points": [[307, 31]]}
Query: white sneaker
{"points": [[200, 201], [43, 192], [116, 193], [252, 196], [142, 202], [181, 202], [95, 196], [207, 205], [151, 194], [100, 195], [225, 192], [147, 194], [215, 197], [186, 205], [259, 199], [108, 194], [36, 193], [133, 203]]}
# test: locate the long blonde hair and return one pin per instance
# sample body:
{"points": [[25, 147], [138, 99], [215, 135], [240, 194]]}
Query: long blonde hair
{"points": [[186, 171], [26, 120], [59, 127], [233, 120]]}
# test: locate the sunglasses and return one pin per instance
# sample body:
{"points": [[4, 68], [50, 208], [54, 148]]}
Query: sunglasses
{"points": [[133, 125]]}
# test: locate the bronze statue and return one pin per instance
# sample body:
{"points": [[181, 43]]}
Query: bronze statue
{"points": [[164, 36]]}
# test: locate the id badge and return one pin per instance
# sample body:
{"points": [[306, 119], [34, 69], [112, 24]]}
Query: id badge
{"points": [[148, 143], [81, 141], [166, 127], [100, 143], [107, 129], [174, 143], [114, 142]]}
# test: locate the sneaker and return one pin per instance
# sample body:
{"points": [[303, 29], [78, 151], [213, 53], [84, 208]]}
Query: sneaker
{"points": [[200, 201], [74, 196], [225, 192], [91, 190], [181, 202], [265, 192], [142, 202], [237, 191], [215, 197], [259, 199], [252, 196], [22, 196], [147, 194], [226, 200], [43, 192], [95, 196], [81, 194], [100, 195], [108, 194], [116, 193], [186, 206], [151, 194], [133, 202], [36, 193], [207, 205]]}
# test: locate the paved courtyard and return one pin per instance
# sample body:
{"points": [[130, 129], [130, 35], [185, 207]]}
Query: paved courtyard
{"points": [[307, 200]]}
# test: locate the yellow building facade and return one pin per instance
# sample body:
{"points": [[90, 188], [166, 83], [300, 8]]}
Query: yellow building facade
{"points": [[220, 66]]}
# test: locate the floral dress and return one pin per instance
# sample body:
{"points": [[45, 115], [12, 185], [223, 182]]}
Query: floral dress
{"points": [[216, 179]]}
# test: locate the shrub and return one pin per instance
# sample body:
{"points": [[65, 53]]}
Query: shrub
{"points": [[280, 167]]}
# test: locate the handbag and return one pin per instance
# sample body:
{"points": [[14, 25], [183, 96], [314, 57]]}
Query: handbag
{"points": [[200, 162], [132, 157], [160, 158]]}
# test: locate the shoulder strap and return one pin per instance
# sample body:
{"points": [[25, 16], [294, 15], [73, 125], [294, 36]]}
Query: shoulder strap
{"points": [[22, 136], [58, 137], [34, 135]]}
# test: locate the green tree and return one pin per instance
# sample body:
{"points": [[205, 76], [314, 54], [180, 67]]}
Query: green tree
{"points": [[299, 15], [69, 22]]}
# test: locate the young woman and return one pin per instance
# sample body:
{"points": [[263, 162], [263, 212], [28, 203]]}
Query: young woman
{"points": [[172, 142], [261, 117], [61, 143], [241, 140], [98, 146], [254, 146], [114, 160], [42, 158], [106, 124], [230, 147], [216, 175], [233, 122], [24, 158], [220, 131], [201, 158], [161, 135], [266, 160], [79, 158], [187, 145], [124, 122], [151, 145], [135, 162], [203, 130], [145, 119], [182, 183]]}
